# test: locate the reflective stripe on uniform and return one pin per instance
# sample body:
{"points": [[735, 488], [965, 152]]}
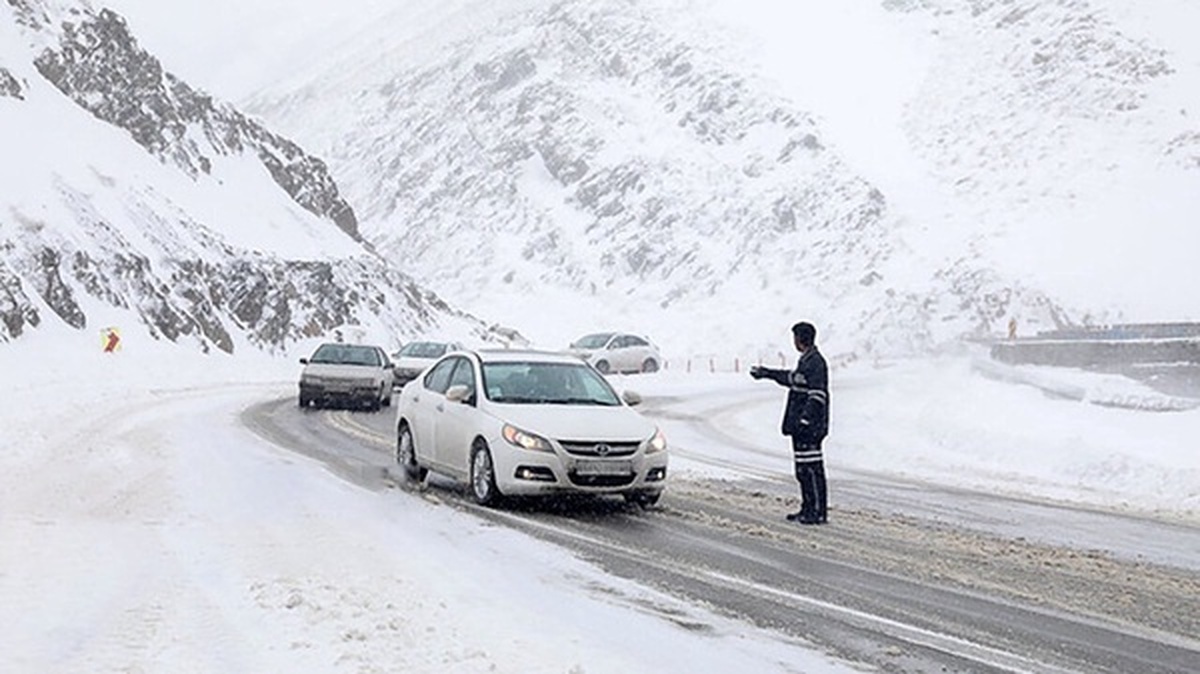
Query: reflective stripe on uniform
{"points": [[808, 455]]}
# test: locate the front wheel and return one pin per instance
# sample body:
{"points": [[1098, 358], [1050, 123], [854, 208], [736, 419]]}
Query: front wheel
{"points": [[650, 365], [406, 456], [602, 366], [483, 477]]}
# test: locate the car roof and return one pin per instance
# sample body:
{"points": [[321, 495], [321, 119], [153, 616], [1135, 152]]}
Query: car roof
{"points": [[526, 355], [349, 346]]}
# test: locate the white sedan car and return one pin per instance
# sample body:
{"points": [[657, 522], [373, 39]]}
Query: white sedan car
{"points": [[527, 423], [617, 352], [412, 359], [352, 374]]}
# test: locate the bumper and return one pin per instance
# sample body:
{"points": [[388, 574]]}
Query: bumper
{"points": [[326, 394], [528, 473]]}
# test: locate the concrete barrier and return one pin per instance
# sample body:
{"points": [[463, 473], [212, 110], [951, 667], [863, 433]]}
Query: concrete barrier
{"points": [[1096, 353]]}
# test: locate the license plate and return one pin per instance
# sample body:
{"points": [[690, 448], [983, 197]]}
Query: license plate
{"points": [[603, 467]]}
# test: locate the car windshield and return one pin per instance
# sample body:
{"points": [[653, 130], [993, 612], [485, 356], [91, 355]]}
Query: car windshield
{"points": [[533, 383], [345, 354], [596, 341], [423, 350]]}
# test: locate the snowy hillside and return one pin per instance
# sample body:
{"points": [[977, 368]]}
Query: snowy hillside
{"points": [[608, 154], [901, 171], [132, 198]]}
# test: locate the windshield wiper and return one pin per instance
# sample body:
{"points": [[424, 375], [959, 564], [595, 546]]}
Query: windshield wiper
{"points": [[521, 400], [583, 401]]}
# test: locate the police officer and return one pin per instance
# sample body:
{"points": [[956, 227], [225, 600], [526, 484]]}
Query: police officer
{"points": [[805, 419]]}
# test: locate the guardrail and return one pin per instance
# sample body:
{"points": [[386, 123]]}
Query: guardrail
{"points": [[713, 364]]}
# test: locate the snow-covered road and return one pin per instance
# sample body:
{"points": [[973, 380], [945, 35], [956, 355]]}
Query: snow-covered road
{"points": [[144, 526], [873, 585], [150, 531]]}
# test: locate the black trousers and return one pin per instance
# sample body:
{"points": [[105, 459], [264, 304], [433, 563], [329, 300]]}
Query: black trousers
{"points": [[810, 473]]}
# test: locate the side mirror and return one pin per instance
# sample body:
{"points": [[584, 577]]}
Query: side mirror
{"points": [[304, 361], [458, 393], [631, 398]]}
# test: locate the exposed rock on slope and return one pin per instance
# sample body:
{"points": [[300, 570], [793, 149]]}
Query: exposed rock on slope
{"points": [[204, 244]]}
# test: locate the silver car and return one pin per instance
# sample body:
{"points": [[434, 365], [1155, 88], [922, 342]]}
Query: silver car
{"points": [[528, 422], [617, 352], [346, 374], [412, 359]]}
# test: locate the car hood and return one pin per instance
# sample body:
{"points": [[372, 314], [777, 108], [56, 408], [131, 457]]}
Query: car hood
{"points": [[578, 422], [340, 370]]}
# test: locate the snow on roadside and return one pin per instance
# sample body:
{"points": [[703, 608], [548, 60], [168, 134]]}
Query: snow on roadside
{"points": [[951, 421]]}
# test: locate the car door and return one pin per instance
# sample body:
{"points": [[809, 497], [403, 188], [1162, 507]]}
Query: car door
{"points": [[425, 400], [457, 421], [639, 350], [385, 364], [621, 360]]}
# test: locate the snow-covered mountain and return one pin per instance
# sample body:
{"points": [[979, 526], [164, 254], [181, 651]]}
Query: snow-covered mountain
{"points": [[902, 172], [634, 158], [129, 196]]}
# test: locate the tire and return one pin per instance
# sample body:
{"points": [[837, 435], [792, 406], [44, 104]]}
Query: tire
{"points": [[643, 500], [650, 365], [483, 476], [385, 395], [303, 401], [406, 456], [602, 366]]}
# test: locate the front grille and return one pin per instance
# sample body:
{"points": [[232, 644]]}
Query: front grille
{"points": [[601, 480], [597, 449]]}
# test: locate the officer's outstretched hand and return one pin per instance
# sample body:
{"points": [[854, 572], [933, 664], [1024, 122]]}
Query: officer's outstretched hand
{"points": [[756, 372]]}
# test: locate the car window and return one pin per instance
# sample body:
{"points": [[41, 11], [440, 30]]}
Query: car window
{"points": [[634, 340], [346, 354], [438, 378], [534, 383], [596, 341], [619, 343], [463, 375], [424, 350]]}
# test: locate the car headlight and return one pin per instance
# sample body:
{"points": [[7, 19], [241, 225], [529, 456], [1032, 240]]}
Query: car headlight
{"points": [[658, 442], [525, 440]]}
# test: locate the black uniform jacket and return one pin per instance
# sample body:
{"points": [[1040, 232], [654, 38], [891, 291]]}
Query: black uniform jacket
{"points": [[807, 413]]}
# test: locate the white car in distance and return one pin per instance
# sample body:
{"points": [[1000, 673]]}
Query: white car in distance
{"points": [[528, 423], [617, 352], [412, 358], [348, 374]]}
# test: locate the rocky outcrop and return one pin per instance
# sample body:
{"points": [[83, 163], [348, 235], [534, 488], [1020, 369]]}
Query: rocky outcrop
{"points": [[269, 301], [17, 313], [10, 86], [100, 65], [94, 235]]}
